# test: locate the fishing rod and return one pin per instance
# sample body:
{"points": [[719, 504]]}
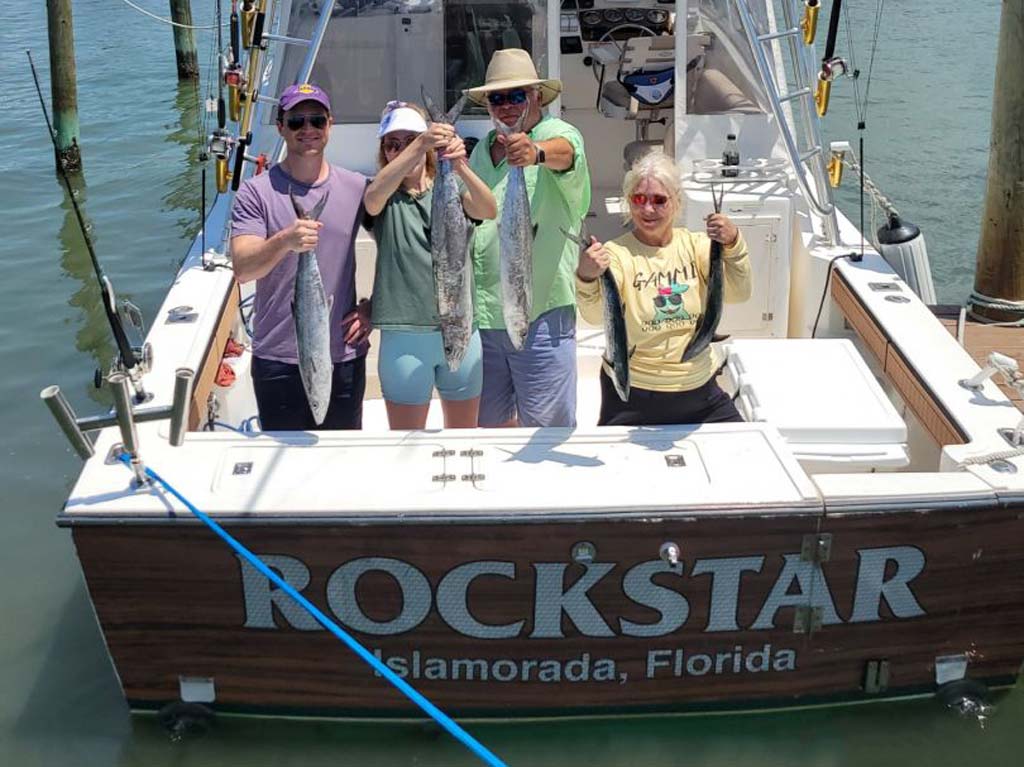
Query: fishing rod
{"points": [[131, 361]]}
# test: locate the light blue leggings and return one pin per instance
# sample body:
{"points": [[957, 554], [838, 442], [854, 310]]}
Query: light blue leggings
{"points": [[411, 363]]}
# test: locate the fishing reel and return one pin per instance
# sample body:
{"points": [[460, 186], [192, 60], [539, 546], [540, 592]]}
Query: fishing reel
{"points": [[220, 145], [830, 70]]}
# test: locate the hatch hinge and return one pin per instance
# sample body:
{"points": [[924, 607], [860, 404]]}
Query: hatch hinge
{"points": [[876, 676], [816, 547]]}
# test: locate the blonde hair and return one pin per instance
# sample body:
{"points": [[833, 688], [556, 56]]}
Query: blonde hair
{"points": [[658, 167], [431, 157]]}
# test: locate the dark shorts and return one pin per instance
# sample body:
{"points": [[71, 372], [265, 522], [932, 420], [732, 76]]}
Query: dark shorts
{"points": [[282, 400], [706, 404]]}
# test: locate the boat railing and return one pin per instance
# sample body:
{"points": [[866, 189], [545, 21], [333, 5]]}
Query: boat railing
{"points": [[800, 99]]}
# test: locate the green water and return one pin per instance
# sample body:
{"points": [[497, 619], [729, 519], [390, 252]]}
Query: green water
{"points": [[60, 704]]}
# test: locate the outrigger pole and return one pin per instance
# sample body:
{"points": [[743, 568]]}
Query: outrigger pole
{"points": [[128, 360]]}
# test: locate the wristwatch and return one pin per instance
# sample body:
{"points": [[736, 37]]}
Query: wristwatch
{"points": [[540, 155]]}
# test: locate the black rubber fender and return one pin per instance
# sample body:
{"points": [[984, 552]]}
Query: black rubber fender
{"points": [[952, 693], [184, 720]]}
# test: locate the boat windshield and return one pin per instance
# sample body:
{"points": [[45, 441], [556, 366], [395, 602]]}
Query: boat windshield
{"points": [[721, 74], [377, 50]]}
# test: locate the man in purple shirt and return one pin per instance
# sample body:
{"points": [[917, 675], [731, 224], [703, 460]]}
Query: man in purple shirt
{"points": [[266, 236]]}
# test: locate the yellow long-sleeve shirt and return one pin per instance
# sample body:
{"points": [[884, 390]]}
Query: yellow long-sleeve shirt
{"points": [[663, 291]]}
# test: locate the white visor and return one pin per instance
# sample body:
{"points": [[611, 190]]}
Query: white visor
{"points": [[402, 118]]}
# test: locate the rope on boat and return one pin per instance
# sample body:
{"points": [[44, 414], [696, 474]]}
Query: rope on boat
{"points": [[998, 455], [1000, 304], [151, 15], [876, 194], [353, 644]]}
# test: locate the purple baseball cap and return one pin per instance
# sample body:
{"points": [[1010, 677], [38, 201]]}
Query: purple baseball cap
{"points": [[296, 94]]}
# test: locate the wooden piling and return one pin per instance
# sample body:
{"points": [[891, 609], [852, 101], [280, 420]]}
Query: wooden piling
{"points": [[184, 40], [63, 85], [1000, 256]]}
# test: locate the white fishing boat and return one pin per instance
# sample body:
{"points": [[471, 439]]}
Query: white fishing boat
{"points": [[859, 537]]}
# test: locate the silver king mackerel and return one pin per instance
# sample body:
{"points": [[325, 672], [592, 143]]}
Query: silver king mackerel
{"points": [[451, 245], [515, 250], [311, 310]]}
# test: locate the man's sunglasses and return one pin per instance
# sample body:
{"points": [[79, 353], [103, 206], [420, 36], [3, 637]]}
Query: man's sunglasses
{"points": [[296, 122], [657, 200], [500, 98]]}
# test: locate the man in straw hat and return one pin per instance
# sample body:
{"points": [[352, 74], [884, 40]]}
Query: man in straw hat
{"points": [[535, 386]]}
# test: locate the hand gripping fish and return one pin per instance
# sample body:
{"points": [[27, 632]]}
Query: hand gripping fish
{"points": [[712, 315], [311, 310], [451, 249], [616, 339], [515, 250]]}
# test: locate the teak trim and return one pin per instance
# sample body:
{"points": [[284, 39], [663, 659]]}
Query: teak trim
{"points": [[914, 391], [207, 373]]}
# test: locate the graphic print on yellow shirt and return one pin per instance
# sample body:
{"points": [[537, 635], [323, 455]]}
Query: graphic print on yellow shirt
{"points": [[668, 304]]}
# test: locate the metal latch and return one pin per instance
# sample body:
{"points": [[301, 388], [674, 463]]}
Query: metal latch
{"points": [[876, 676], [816, 547], [807, 619]]}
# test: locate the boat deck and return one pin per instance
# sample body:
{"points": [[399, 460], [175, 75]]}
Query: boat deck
{"points": [[980, 339]]}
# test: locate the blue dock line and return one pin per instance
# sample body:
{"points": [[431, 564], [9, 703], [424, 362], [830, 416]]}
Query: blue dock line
{"points": [[404, 687]]}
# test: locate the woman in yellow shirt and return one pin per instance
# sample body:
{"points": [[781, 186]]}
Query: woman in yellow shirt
{"points": [[662, 274]]}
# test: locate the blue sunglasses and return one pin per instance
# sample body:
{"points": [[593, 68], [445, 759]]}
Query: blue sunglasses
{"points": [[499, 98]]}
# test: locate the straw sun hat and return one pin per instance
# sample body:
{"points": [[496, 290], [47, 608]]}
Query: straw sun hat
{"points": [[513, 68]]}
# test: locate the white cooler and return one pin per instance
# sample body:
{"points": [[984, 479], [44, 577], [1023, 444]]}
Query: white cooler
{"points": [[823, 399]]}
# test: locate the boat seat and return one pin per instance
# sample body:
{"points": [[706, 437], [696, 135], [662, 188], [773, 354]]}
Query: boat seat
{"points": [[823, 399], [643, 90]]}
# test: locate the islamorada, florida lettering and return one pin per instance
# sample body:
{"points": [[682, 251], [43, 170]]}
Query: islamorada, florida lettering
{"points": [[584, 667], [884, 575]]}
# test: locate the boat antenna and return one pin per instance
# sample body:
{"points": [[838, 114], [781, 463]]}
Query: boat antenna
{"points": [[860, 104], [129, 360]]}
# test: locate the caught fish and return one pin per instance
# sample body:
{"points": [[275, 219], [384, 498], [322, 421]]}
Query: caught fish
{"points": [[451, 248], [311, 310], [515, 250], [712, 315], [616, 339]]}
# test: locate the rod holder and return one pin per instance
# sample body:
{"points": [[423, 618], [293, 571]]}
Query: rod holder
{"points": [[68, 422], [822, 94], [126, 423], [179, 409], [809, 25]]}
